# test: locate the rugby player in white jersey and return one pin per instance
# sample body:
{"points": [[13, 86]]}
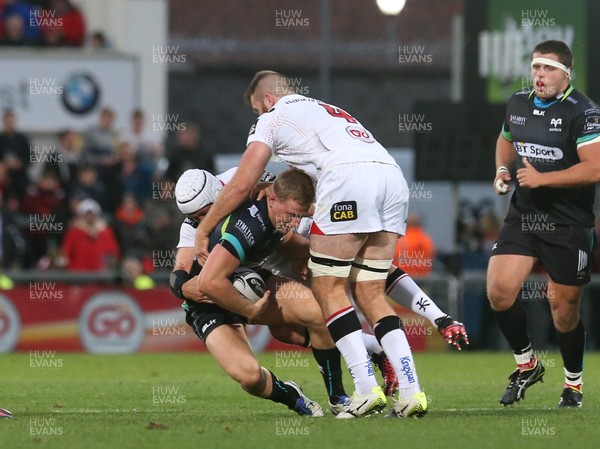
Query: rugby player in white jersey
{"points": [[361, 208]]}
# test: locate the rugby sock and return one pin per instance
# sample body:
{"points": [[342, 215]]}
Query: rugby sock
{"points": [[572, 346], [331, 369], [574, 380], [371, 343], [513, 324], [525, 358], [346, 331], [280, 393], [400, 287], [388, 331]]}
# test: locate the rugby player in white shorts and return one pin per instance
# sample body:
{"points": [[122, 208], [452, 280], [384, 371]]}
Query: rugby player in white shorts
{"points": [[361, 208]]}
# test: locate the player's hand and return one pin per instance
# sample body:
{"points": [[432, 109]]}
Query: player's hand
{"points": [[256, 309], [300, 267], [528, 176], [455, 334], [201, 247], [502, 182], [260, 190]]}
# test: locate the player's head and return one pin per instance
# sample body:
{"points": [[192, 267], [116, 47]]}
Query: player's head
{"points": [[196, 190], [551, 65], [290, 199], [266, 88]]}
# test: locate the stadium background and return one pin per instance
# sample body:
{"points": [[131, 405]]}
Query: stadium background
{"points": [[430, 83]]}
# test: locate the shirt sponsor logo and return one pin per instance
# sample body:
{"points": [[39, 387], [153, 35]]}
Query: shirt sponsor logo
{"points": [[344, 211], [538, 112], [592, 124], [538, 151], [360, 133], [245, 230], [517, 120]]}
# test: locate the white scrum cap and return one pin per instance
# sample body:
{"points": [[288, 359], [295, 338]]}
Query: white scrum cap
{"points": [[196, 189]]}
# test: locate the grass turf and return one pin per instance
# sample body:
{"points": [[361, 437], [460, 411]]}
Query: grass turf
{"points": [[184, 401]]}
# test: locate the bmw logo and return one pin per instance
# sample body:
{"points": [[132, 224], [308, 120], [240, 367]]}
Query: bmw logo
{"points": [[81, 93]]}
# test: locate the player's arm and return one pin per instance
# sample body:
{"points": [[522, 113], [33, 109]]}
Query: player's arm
{"points": [[585, 172], [214, 282], [235, 192], [505, 158], [295, 245], [182, 281]]}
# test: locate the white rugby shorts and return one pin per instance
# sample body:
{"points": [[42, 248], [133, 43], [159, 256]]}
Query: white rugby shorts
{"points": [[362, 197]]}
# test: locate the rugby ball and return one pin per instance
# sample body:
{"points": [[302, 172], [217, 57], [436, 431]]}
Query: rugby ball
{"points": [[248, 283]]}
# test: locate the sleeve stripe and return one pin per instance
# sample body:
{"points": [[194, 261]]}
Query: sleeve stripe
{"points": [[506, 134], [586, 140], [235, 243]]}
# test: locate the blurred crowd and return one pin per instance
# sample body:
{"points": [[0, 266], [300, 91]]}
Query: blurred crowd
{"points": [[45, 23], [94, 200]]}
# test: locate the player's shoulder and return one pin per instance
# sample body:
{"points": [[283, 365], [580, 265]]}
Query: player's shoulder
{"points": [[581, 102], [189, 222]]}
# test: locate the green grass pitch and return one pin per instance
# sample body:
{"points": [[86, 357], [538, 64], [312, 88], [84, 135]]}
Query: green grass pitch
{"points": [[184, 401]]}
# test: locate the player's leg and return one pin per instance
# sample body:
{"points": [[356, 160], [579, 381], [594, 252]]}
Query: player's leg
{"points": [[564, 305], [403, 290], [368, 277], [229, 346], [293, 303], [331, 258], [225, 337], [505, 277]]}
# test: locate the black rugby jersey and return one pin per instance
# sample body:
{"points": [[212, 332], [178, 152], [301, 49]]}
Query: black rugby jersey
{"points": [[247, 233], [547, 133]]}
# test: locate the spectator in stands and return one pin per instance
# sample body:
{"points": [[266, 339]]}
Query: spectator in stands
{"points": [[129, 174], [15, 153], [87, 185], [98, 40], [147, 145], [45, 204], [187, 153], [14, 32], [130, 228], [415, 250], [12, 243], [30, 20], [132, 274], [65, 160], [89, 243], [64, 26], [100, 142]]}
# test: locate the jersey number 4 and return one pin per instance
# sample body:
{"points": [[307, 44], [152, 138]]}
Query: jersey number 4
{"points": [[334, 111]]}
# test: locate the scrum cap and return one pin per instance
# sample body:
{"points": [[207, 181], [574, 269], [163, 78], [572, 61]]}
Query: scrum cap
{"points": [[196, 189]]}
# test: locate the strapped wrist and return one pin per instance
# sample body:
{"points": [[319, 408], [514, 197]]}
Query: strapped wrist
{"points": [[501, 169]]}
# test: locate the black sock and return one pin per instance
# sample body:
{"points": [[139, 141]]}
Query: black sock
{"points": [[329, 361], [513, 324], [572, 346], [345, 324], [386, 324], [280, 393]]}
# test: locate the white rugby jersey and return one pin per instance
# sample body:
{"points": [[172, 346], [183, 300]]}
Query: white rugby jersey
{"points": [[312, 135]]}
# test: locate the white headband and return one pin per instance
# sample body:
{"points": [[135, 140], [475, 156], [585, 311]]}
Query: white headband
{"points": [[553, 63]]}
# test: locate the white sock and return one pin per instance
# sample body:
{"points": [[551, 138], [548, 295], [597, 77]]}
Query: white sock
{"points": [[407, 293], [526, 358], [357, 360], [574, 380], [398, 351], [371, 343]]}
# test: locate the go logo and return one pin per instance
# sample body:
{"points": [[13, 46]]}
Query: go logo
{"points": [[111, 323]]}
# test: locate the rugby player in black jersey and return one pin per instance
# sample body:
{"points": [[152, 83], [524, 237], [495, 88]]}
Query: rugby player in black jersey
{"points": [[246, 236], [550, 141]]}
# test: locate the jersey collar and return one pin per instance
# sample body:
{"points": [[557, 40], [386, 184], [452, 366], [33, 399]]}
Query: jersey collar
{"points": [[547, 103]]}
